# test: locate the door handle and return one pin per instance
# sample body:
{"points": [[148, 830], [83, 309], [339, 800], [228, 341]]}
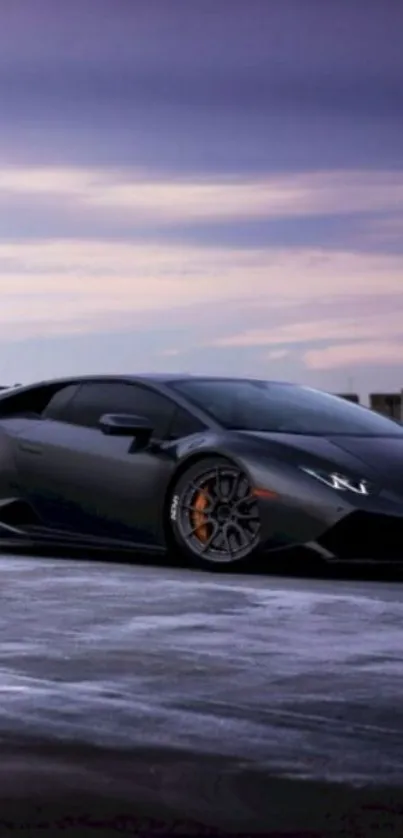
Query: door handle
{"points": [[30, 448]]}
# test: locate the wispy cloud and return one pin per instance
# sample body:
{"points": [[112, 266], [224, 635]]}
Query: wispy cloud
{"points": [[83, 282], [355, 354], [224, 175], [322, 329], [199, 199]]}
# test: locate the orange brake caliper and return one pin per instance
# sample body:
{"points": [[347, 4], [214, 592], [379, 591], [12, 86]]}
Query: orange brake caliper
{"points": [[199, 519]]}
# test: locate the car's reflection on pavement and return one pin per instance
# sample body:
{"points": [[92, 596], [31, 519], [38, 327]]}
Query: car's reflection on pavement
{"points": [[159, 700]]}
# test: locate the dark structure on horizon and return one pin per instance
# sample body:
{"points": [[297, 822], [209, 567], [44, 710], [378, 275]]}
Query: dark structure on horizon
{"points": [[389, 404]]}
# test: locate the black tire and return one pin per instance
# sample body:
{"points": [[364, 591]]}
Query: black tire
{"points": [[214, 517]]}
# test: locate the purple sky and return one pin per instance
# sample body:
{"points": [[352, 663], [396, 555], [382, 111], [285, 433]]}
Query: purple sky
{"points": [[205, 185]]}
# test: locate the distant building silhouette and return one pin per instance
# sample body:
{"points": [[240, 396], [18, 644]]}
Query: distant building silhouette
{"points": [[389, 404]]}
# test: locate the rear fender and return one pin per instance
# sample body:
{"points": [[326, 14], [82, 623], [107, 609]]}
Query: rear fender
{"points": [[8, 471]]}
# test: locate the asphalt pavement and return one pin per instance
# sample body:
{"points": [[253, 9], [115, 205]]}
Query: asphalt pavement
{"points": [[157, 699]]}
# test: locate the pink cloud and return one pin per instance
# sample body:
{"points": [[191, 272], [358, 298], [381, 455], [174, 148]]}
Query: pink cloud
{"points": [[107, 280], [355, 354], [276, 196], [277, 354], [351, 325]]}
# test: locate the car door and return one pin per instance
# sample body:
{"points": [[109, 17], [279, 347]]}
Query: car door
{"points": [[78, 478], [21, 420]]}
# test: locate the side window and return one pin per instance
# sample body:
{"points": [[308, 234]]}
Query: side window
{"points": [[58, 406], [184, 424], [96, 398], [35, 401]]}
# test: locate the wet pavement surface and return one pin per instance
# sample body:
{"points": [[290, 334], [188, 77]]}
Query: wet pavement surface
{"points": [[151, 699]]}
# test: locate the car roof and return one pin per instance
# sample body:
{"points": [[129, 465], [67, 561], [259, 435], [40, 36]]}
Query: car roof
{"points": [[156, 378], [163, 378], [152, 376]]}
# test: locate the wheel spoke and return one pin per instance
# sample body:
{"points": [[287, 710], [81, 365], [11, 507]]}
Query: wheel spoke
{"points": [[212, 537], [208, 521], [244, 489], [235, 487], [200, 490], [192, 508], [227, 539], [245, 541], [219, 540], [217, 485], [226, 490], [253, 515], [247, 499]]}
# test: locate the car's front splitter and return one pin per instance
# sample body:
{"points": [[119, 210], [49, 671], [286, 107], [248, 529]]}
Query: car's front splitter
{"points": [[365, 536]]}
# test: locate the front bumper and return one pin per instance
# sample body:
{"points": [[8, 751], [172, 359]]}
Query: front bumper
{"points": [[365, 536]]}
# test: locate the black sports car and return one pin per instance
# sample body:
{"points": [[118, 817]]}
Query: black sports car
{"points": [[220, 469]]}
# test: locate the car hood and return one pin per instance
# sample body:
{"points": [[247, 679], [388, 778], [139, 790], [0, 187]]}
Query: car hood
{"points": [[384, 453], [376, 457]]}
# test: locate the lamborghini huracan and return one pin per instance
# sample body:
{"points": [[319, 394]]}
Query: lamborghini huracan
{"points": [[220, 470]]}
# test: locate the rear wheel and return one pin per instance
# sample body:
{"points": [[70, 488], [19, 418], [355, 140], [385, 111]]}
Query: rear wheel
{"points": [[214, 515]]}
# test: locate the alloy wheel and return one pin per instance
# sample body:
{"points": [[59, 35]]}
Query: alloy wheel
{"points": [[218, 515]]}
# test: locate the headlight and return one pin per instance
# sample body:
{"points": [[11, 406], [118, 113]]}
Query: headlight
{"points": [[339, 481]]}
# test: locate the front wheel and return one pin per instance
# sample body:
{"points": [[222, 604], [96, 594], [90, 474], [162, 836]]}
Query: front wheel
{"points": [[214, 515]]}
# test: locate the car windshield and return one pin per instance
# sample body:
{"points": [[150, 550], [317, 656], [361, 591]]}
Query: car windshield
{"points": [[283, 408]]}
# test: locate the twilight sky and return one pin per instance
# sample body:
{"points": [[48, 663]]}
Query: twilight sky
{"points": [[202, 185]]}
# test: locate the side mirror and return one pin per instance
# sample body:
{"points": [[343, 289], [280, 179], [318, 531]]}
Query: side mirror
{"points": [[126, 424]]}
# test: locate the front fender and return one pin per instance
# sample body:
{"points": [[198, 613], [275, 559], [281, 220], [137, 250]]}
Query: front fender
{"points": [[294, 509], [199, 446]]}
